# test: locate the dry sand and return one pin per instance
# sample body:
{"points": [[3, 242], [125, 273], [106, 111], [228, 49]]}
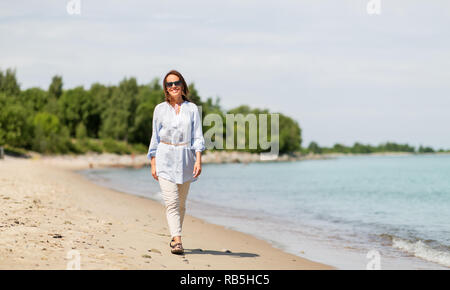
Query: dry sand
{"points": [[48, 213]]}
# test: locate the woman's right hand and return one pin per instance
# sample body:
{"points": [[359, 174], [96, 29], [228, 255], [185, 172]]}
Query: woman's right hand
{"points": [[153, 168]]}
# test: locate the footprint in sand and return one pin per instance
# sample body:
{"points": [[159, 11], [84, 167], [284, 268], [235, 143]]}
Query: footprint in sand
{"points": [[155, 251]]}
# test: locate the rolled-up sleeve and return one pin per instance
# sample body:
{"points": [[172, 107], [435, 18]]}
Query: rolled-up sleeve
{"points": [[198, 142], [155, 135]]}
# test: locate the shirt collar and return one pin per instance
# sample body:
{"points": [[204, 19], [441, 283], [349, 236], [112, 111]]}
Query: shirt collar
{"points": [[185, 101]]}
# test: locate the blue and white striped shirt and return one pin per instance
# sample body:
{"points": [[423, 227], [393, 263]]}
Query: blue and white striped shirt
{"points": [[176, 163]]}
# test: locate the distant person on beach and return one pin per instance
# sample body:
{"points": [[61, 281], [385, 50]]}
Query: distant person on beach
{"points": [[175, 151]]}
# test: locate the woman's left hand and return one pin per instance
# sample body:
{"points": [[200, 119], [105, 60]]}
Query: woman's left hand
{"points": [[197, 168]]}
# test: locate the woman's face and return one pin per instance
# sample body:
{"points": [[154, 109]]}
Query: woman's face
{"points": [[174, 90]]}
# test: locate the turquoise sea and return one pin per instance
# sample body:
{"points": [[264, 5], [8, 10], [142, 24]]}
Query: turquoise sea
{"points": [[333, 211]]}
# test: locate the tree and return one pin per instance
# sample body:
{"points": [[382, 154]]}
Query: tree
{"points": [[55, 89], [14, 128], [314, 148], [49, 135], [213, 131], [75, 106], [34, 98], [3, 120], [148, 97], [289, 131], [121, 111], [193, 95], [241, 128], [81, 132], [100, 95], [425, 149], [340, 148], [360, 148], [154, 85], [8, 83], [290, 135]]}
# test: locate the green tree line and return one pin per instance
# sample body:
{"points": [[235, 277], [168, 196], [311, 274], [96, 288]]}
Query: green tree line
{"points": [[359, 148], [106, 118]]}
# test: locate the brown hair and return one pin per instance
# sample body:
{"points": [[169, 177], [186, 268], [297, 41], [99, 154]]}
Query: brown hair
{"points": [[184, 91]]}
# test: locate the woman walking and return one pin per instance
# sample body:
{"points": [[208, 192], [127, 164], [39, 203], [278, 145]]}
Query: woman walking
{"points": [[175, 151]]}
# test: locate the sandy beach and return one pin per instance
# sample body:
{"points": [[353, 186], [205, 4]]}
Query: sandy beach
{"points": [[52, 215]]}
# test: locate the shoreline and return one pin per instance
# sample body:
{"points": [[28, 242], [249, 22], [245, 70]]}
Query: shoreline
{"points": [[51, 211], [111, 160]]}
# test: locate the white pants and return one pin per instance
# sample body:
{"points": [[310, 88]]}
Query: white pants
{"points": [[174, 196]]}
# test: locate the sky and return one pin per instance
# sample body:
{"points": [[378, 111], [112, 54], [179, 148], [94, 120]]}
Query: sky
{"points": [[343, 74]]}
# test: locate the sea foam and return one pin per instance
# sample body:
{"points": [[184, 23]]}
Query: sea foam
{"points": [[423, 251]]}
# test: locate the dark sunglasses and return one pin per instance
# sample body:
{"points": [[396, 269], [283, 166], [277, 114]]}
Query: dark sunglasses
{"points": [[170, 84]]}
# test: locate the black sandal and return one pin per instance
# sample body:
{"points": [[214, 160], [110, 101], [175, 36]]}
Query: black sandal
{"points": [[177, 248]]}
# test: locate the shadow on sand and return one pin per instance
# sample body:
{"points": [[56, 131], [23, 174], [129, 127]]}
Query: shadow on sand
{"points": [[220, 253]]}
